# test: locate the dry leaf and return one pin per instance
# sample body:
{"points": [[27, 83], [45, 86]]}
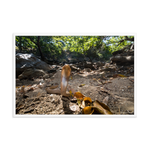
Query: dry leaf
{"points": [[31, 89], [94, 78], [101, 108], [99, 82], [102, 88], [109, 81], [87, 110], [21, 106], [105, 82], [98, 108], [87, 99], [83, 104], [78, 95], [81, 72], [120, 75], [92, 112], [29, 86], [79, 102], [71, 94], [115, 75], [81, 85], [34, 85], [22, 91]]}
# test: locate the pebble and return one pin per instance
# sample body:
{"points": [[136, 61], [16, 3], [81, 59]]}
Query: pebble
{"points": [[74, 107]]}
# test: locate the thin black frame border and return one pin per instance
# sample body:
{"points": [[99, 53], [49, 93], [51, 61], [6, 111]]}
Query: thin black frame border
{"points": [[57, 118]]}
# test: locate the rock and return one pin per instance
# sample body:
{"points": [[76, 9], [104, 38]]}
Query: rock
{"points": [[129, 59], [87, 70], [74, 107], [32, 73], [100, 64], [56, 78], [88, 65], [108, 69], [117, 52], [73, 68], [107, 65], [26, 61], [46, 76], [123, 57]]}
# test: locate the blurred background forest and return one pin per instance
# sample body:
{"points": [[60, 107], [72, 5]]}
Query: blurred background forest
{"points": [[88, 48]]}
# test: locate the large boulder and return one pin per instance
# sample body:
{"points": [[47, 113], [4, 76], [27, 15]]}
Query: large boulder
{"points": [[32, 73], [26, 61], [123, 57]]}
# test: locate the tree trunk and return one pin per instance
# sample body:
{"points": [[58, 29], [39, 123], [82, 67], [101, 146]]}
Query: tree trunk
{"points": [[39, 48]]}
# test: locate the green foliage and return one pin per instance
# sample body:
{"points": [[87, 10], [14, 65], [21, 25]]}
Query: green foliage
{"points": [[24, 43], [115, 43], [93, 47], [48, 44]]}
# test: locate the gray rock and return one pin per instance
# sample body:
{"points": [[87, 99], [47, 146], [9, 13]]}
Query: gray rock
{"points": [[32, 73], [26, 61]]}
